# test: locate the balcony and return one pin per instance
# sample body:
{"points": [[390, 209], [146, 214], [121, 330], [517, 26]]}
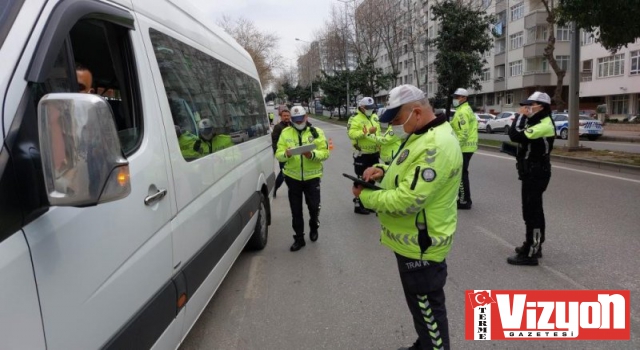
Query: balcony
{"points": [[501, 6], [498, 84], [536, 78], [535, 18], [534, 50], [498, 59]]}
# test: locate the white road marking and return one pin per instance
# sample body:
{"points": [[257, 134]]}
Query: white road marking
{"points": [[557, 273], [565, 168]]}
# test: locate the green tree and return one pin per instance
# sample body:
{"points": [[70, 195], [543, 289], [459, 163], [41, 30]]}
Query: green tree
{"points": [[335, 89], [462, 41], [369, 80], [271, 96], [614, 23]]}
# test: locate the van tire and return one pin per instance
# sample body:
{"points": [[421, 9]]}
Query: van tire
{"points": [[260, 235]]}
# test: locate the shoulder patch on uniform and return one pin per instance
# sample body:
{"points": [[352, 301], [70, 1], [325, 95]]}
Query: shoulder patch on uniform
{"points": [[402, 157], [530, 131], [310, 139], [428, 174]]}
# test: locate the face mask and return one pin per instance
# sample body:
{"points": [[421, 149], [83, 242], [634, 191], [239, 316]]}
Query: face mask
{"points": [[368, 112], [456, 103], [398, 130], [300, 126]]}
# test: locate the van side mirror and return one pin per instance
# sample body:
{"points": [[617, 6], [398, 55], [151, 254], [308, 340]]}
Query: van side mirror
{"points": [[81, 154]]}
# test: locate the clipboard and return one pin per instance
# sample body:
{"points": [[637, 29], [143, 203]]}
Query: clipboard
{"points": [[362, 183], [302, 149]]}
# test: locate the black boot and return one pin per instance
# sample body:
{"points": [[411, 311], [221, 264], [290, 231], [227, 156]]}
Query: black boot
{"points": [[522, 259], [358, 208], [521, 248], [313, 235], [298, 243]]}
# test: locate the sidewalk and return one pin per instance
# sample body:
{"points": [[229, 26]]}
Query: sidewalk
{"points": [[621, 136]]}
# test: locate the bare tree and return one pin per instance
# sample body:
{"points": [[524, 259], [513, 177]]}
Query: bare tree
{"points": [[367, 35], [260, 45], [549, 50], [390, 25]]}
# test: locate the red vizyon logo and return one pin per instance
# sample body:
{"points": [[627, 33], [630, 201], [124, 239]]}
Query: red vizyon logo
{"points": [[547, 314]]}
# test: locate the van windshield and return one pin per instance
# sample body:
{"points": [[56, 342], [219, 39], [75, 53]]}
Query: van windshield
{"points": [[8, 12]]}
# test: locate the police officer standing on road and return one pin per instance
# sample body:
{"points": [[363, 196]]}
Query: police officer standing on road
{"points": [[417, 208], [465, 125], [364, 129], [271, 116], [285, 120], [389, 144], [303, 172], [534, 131]]}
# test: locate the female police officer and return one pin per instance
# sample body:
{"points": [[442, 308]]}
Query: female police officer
{"points": [[534, 132]]}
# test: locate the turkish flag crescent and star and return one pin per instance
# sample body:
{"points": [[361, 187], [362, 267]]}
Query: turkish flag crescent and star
{"points": [[480, 299]]}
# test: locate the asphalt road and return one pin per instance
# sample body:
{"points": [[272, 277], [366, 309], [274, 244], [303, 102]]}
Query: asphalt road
{"points": [[343, 292], [596, 145]]}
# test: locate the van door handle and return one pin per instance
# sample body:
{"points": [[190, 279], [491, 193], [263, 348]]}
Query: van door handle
{"points": [[150, 200]]}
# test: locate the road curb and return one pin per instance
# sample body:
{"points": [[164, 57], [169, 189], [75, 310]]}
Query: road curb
{"points": [[619, 139], [619, 168]]}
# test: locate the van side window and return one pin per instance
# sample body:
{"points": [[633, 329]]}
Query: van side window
{"points": [[213, 105]]}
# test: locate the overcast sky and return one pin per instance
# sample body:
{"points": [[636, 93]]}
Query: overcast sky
{"points": [[288, 19]]}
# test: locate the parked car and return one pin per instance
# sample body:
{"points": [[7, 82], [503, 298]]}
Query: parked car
{"points": [[589, 127], [483, 119], [502, 122]]}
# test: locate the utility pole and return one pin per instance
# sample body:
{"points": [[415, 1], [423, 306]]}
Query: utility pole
{"points": [[574, 89]]}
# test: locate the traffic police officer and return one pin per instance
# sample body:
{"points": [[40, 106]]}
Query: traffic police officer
{"points": [[389, 144], [285, 120], [465, 125], [534, 131], [208, 142], [302, 173], [364, 129], [417, 207]]}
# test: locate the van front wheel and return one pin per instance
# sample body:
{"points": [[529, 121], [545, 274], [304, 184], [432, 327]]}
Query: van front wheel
{"points": [[261, 233]]}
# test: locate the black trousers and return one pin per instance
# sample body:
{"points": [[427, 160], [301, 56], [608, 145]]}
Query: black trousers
{"points": [[464, 192], [535, 179], [311, 191], [360, 164], [423, 283], [280, 177]]}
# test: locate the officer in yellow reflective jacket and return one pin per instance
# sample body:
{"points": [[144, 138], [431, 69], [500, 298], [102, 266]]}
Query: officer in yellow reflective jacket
{"points": [[302, 173], [389, 144], [417, 207], [193, 147], [364, 129], [534, 131], [465, 124]]}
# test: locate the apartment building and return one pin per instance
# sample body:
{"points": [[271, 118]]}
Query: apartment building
{"points": [[516, 66]]}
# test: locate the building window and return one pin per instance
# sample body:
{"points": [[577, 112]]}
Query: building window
{"points": [[500, 72], [536, 34], [410, 78], [563, 62], [500, 46], [563, 33], [490, 99], [586, 38], [545, 65], [611, 66], [620, 104], [516, 40], [517, 11], [404, 49], [486, 74], [509, 99], [515, 68], [635, 62]]}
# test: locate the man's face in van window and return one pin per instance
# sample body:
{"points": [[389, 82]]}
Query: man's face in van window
{"points": [[85, 81]]}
